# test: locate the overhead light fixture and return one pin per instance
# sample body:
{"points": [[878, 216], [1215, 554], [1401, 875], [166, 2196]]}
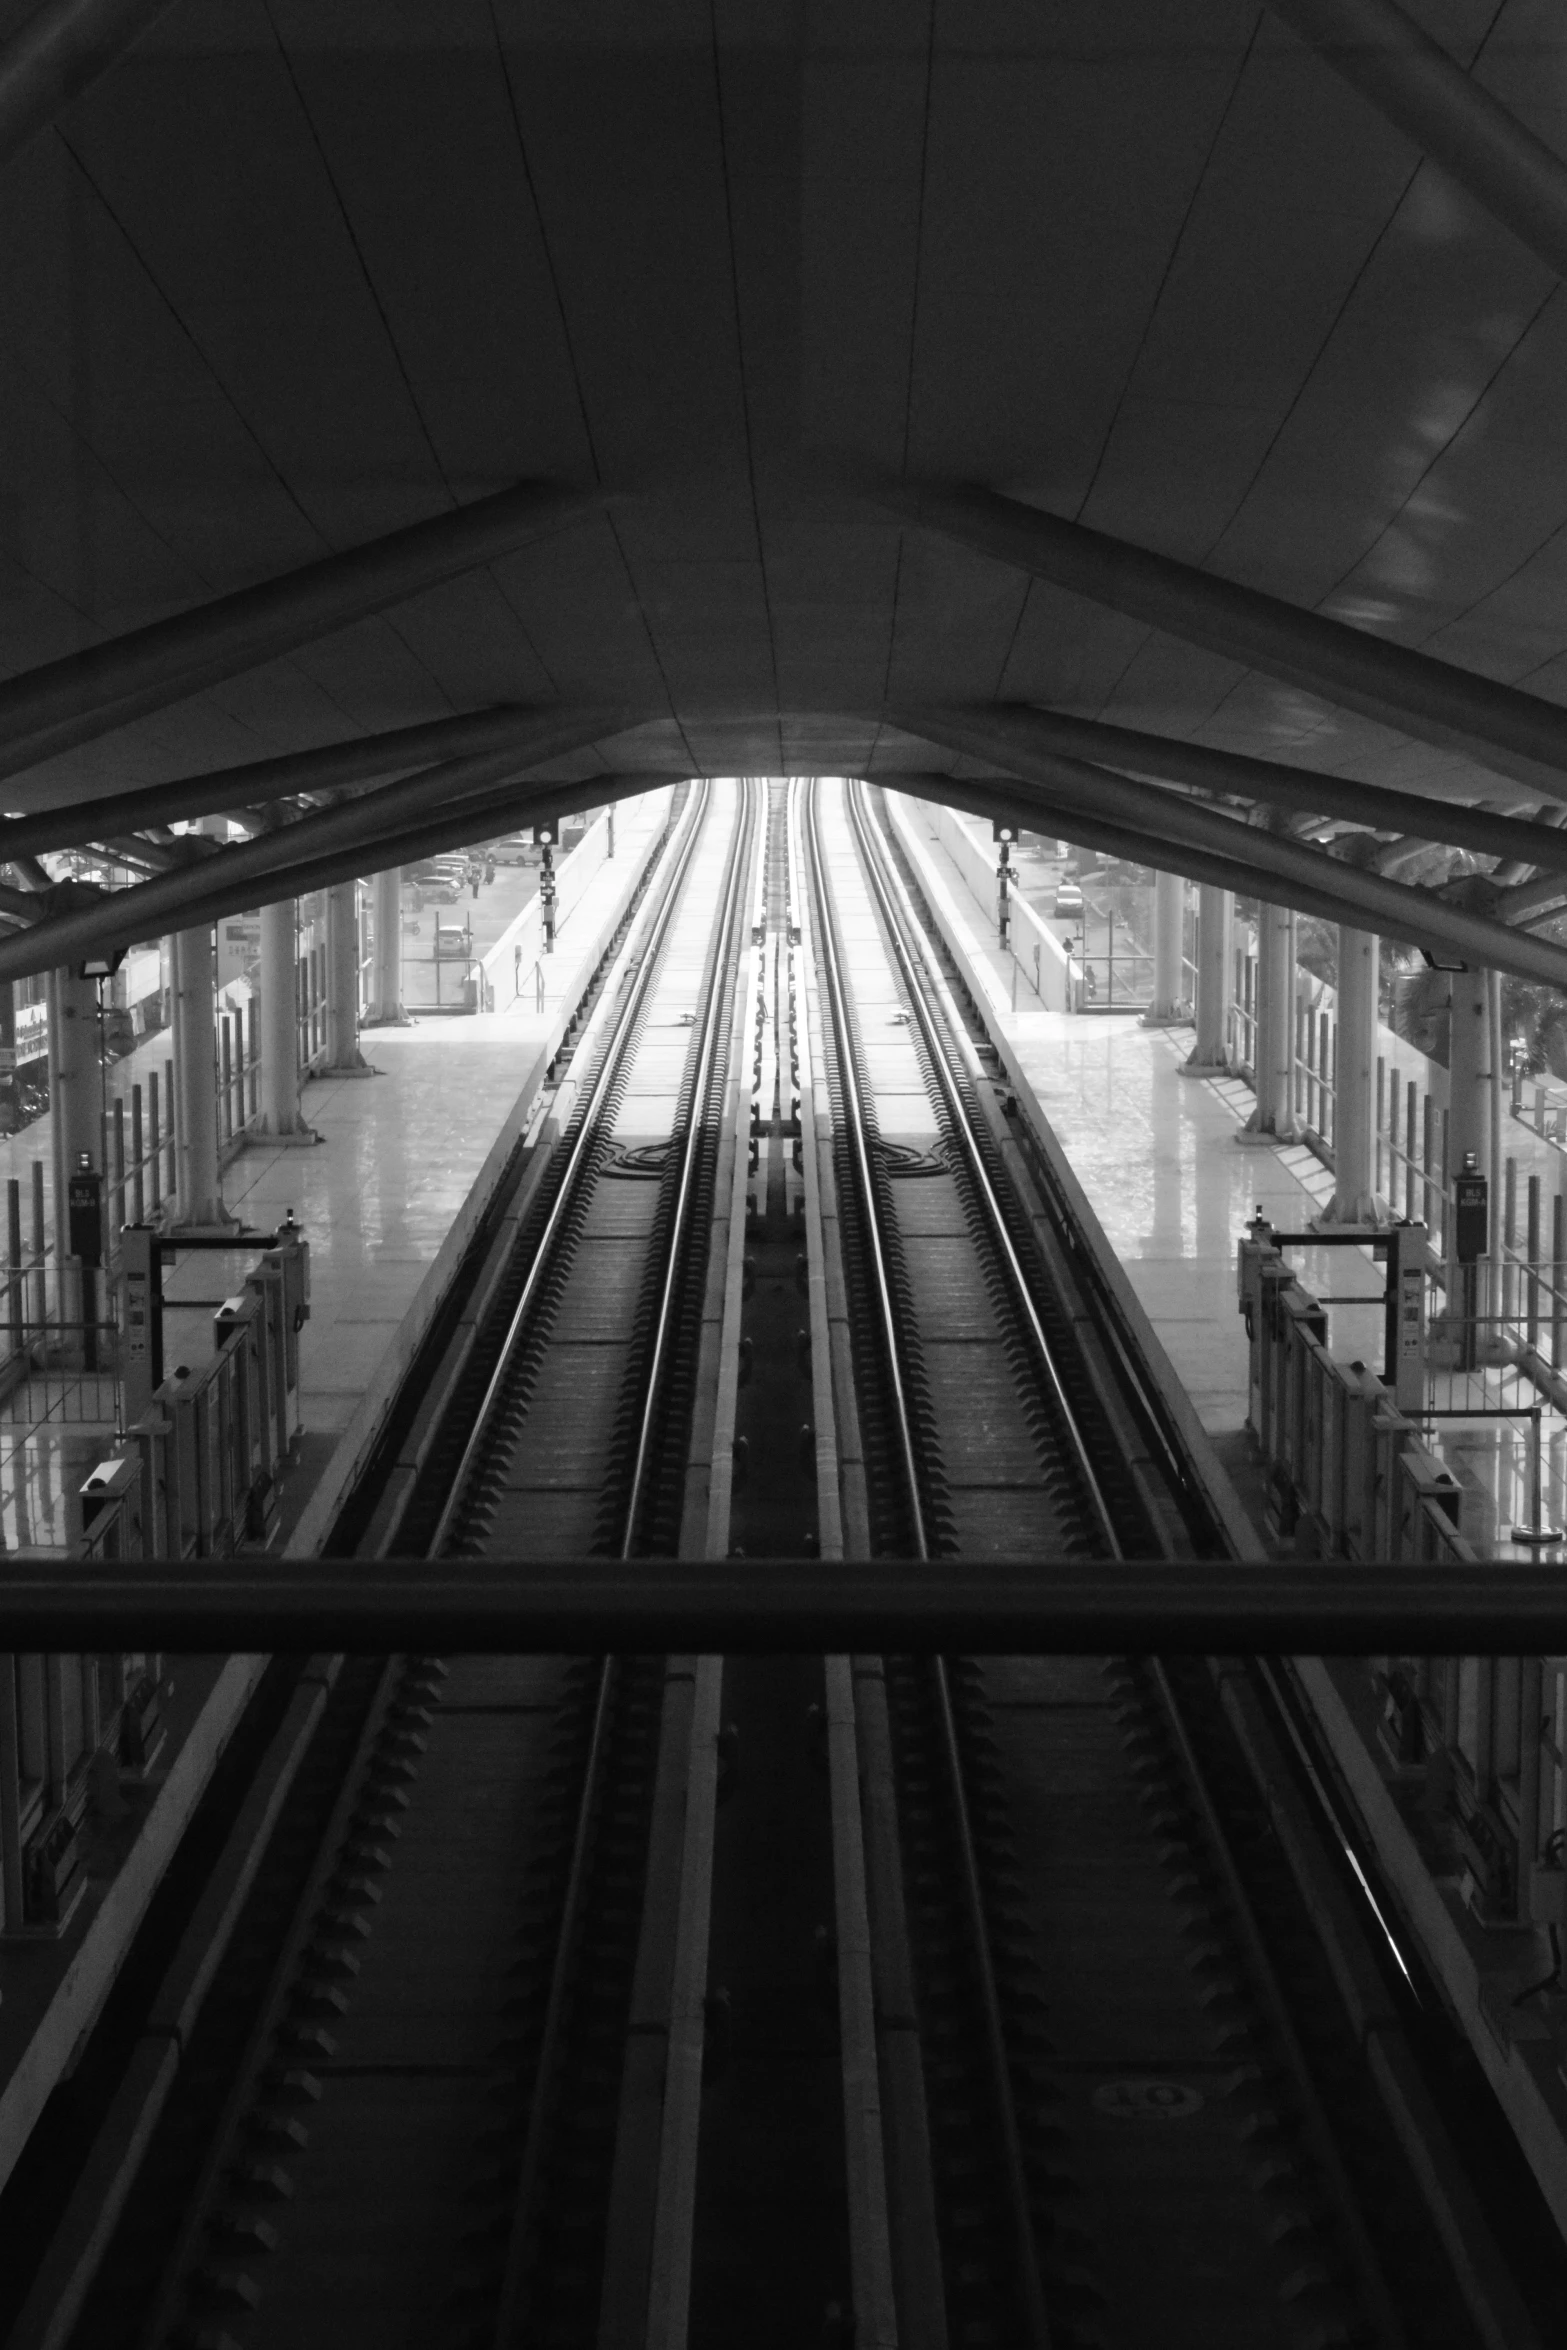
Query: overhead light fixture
{"points": [[101, 966]]}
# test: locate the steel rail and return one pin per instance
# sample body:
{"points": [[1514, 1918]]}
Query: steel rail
{"points": [[831, 953], [1319, 2129], [552, 2038], [260, 2043], [903, 927], [712, 1019], [510, 2305], [616, 1046], [1029, 2284]]}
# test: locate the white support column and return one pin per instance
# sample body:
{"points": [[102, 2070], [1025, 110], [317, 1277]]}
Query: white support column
{"points": [[1354, 1198], [1273, 1119], [1210, 1055], [280, 1114], [198, 1199], [343, 1057], [1168, 1008], [386, 1003]]}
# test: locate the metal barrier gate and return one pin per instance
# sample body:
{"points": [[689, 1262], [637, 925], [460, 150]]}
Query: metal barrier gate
{"points": [[195, 1475], [1471, 1747]]}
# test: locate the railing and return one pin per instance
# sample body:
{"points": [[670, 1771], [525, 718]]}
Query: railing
{"points": [[1348, 1477], [139, 1154], [1241, 1036], [1111, 981], [310, 1009], [1412, 1159], [196, 1477], [238, 1073], [1545, 1113], [63, 1718], [140, 1140], [56, 1326], [1315, 1075]]}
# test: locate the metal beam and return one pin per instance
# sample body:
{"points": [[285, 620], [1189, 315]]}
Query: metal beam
{"points": [[58, 54], [474, 820], [227, 790], [1423, 92], [1513, 732], [1365, 900], [1037, 812], [1528, 901], [75, 700], [150, 907], [1373, 804], [981, 1606]]}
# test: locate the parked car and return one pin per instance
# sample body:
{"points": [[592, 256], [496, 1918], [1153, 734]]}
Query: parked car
{"points": [[432, 886], [516, 849], [1069, 901]]}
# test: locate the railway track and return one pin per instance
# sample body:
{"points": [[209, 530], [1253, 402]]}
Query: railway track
{"points": [[1140, 2110], [678, 2000], [423, 2126]]}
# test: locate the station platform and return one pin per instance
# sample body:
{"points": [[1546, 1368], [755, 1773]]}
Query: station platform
{"points": [[389, 1183], [1161, 1158]]}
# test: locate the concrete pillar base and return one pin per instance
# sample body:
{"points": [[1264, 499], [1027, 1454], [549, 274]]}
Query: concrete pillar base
{"points": [[301, 1138], [1266, 1138], [1196, 1068], [1180, 1018], [1363, 1215], [355, 1068], [397, 1019]]}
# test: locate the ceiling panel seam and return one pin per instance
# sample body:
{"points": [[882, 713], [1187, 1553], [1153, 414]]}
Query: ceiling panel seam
{"points": [[745, 389], [503, 60], [182, 324], [1169, 264], [349, 231], [919, 228], [647, 629]]}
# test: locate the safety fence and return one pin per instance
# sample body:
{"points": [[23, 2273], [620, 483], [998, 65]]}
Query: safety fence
{"points": [[139, 1150], [238, 1072], [196, 1475], [1472, 1745], [56, 1325], [1242, 1009], [310, 1009], [65, 1722], [1348, 1476]]}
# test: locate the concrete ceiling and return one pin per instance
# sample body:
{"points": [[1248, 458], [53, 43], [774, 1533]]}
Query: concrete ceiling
{"points": [[294, 274]]}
